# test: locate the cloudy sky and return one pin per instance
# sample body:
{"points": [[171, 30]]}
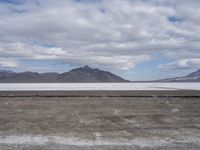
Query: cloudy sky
{"points": [[137, 39]]}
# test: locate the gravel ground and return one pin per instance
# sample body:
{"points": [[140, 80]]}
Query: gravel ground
{"points": [[98, 123]]}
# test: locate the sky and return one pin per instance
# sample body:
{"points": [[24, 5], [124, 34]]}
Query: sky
{"points": [[136, 39]]}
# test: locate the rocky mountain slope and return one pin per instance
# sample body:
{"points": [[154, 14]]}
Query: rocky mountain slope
{"points": [[82, 74], [192, 77]]}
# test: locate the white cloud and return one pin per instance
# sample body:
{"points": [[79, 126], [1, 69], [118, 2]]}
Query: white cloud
{"points": [[182, 64], [114, 33], [8, 63], [29, 51]]}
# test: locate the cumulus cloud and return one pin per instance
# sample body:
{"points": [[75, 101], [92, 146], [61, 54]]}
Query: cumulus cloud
{"points": [[115, 33], [182, 64], [8, 63]]}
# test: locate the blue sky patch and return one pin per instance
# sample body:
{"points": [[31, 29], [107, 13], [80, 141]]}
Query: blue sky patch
{"points": [[12, 1], [174, 19]]}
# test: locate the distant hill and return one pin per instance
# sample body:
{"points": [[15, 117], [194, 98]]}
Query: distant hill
{"points": [[6, 71], [192, 77], [82, 74]]}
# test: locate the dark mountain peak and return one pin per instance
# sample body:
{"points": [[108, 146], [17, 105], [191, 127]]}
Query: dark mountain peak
{"points": [[193, 74], [86, 67], [83, 69], [88, 74]]}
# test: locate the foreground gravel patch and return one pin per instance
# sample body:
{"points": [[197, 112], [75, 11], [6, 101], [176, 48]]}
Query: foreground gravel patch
{"points": [[67, 147], [99, 123], [61, 143]]}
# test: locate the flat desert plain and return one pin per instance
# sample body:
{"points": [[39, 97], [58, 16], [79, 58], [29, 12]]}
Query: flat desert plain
{"points": [[100, 120]]}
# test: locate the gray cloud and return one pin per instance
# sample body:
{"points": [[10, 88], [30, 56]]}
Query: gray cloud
{"points": [[115, 33]]}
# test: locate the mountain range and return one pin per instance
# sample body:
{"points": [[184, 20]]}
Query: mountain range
{"points": [[82, 74], [192, 77]]}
